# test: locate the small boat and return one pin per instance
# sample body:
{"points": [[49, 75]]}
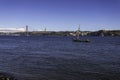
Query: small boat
{"points": [[77, 38], [81, 40]]}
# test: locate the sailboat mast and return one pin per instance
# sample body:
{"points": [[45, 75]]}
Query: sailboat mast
{"points": [[79, 28], [78, 32]]}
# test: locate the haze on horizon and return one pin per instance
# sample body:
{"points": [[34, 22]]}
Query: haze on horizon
{"points": [[60, 15]]}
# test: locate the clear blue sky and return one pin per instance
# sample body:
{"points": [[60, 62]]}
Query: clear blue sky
{"points": [[60, 14]]}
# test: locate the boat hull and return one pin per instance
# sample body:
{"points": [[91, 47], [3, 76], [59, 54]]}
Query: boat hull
{"points": [[80, 40]]}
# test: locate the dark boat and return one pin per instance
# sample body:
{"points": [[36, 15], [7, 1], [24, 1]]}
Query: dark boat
{"points": [[81, 40]]}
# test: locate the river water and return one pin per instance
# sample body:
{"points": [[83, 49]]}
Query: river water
{"points": [[58, 58]]}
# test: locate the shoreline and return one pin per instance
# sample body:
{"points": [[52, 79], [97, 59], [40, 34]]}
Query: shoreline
{"points": [[63, 33]]}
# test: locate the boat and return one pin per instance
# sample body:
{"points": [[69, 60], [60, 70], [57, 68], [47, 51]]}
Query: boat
{"points": [[77, 37], [81, 40]]}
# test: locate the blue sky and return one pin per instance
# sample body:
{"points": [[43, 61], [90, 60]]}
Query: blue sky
{"points": [[60, 15]]}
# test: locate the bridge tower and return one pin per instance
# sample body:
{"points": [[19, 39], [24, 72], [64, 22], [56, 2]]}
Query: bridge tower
{"points": [[27, 30]]}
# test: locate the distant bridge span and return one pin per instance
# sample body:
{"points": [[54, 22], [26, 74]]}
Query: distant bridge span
{"points": [[12, 30]]}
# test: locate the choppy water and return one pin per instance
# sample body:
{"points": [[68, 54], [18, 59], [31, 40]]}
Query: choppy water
{"points": [[58, 58]]}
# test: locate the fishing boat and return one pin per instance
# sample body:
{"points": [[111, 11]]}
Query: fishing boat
{"points": [[77, 37]]}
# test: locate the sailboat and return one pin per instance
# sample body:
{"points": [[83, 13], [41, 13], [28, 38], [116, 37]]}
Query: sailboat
{"points": [[77, 38]]}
